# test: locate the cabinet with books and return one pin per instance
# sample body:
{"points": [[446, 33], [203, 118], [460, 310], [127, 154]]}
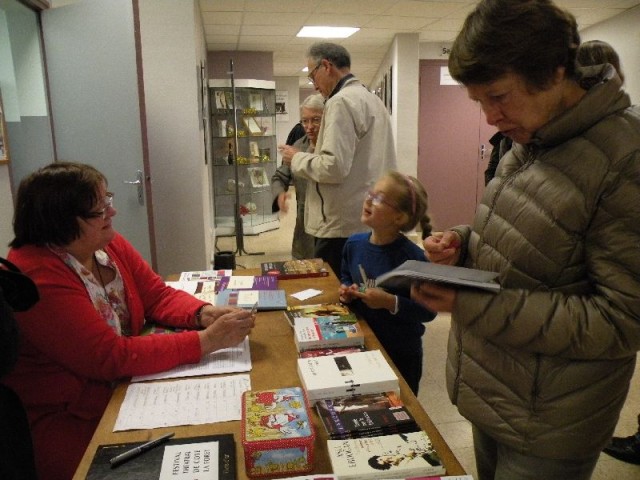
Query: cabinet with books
{"points": [[244, 149]]}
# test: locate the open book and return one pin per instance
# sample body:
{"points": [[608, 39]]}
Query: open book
{"points": [[414, 270]]}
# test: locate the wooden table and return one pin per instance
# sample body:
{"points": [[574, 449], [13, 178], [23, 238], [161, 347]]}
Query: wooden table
{"points": [[273, 355]]}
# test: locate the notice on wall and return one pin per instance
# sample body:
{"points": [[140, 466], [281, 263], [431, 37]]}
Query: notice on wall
{"points": [[282, 106], [446, 78]]}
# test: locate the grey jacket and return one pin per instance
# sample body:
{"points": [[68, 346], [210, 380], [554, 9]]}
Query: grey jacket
{"points": [[354, 148], [544, 366]]}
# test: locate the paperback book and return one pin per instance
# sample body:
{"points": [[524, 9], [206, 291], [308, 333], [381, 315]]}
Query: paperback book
{"points": [[325, 332], [400, 455], [338, 311], [327, 352], [344, 375], [365, 416], [289, 269], [414, 271], [213, 453], [266, 299], [247, 282]]}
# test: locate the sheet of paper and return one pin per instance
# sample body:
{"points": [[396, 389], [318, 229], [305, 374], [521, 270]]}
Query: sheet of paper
{"points": [[240, 281], [208, 296], [305, 294], [229, 360], [246, 297], [190, 461], [182, 402], [186, 286]]}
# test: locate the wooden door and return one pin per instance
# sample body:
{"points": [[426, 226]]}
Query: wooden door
{"points": [[450, 165]]}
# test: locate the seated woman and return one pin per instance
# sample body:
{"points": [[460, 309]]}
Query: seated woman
{"points": [[95, 293]]}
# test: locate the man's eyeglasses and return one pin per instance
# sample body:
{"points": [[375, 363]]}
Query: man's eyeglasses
{"points": [[315, 121], [107, 202], [377, 199], [312, 73]]}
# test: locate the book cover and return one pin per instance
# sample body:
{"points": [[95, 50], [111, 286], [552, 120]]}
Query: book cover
{"points": [[365, 415], [324, 332], [148, 465], [344, 375], [267, 299], [310, 267], [247, 282], [414, 270], [338, 311], [389, 456], [258, 177], [327, 352]]}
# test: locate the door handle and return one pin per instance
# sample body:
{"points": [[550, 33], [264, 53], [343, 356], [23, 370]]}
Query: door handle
{"points": [[138, 181]]}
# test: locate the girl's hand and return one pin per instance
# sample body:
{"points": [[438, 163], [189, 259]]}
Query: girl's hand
{"points": [[346, 292], [443, 247], [377, 298]]}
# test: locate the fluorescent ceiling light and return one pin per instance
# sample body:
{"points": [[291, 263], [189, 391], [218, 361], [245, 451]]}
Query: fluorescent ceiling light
{"points": [[305, 69], [327, 32]]}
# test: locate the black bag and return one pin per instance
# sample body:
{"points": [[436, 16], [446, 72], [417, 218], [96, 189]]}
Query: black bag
{"points": [[19, 290]]}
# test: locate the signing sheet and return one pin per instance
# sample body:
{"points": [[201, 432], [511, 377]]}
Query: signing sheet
{"points": [[182, 402]]}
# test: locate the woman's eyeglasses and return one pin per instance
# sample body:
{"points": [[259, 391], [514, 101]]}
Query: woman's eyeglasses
{"points": [[315, 121], [107, 202], [377, 199]]}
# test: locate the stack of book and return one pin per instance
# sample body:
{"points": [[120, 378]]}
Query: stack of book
{"points": [[368, 415], [401, 455], [326, 332], [356, 373], [289, 269], [338, 311]]}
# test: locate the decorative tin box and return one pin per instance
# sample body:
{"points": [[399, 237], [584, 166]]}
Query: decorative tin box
{"points": [[277, 434]]}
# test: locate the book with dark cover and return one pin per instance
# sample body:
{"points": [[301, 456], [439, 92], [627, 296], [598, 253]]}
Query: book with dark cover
{"points": [[338, 311], [310, 267], [260, 282], [327, 352], [400, 455], [365, 415], [415, 271], [267, 299], [325, 332], [148, 465]]}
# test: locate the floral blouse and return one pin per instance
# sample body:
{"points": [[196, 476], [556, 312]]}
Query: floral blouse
{"points": [[109, 299]]}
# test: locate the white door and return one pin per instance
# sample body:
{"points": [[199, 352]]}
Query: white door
{"points": [[90, 49]]}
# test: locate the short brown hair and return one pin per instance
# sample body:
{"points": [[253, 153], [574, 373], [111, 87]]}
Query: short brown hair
{"points": [[531, 38], [51, 199], [597, 52]]}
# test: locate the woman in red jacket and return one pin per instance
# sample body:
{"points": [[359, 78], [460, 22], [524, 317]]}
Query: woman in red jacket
{"points": [[95, 293]]}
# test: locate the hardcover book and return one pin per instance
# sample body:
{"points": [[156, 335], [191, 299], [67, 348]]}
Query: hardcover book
{"points": [[247, 282], [324, 332], [267, 299], [219, 459], [311, 267], [338, 311], [415, 271], [389, 456], [365, 416], [344, 375]]}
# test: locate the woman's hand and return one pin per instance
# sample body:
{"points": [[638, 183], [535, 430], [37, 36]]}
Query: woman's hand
{"points": [[228, 329], [443, 247], [282, 202], [433, 296]]}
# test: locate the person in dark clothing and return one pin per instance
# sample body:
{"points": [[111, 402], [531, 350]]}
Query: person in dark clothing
{"points": [[395, 205], [501, 145], [296, 133]]}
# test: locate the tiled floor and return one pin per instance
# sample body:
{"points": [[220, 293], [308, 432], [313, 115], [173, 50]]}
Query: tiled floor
{"points": [[454, 428]]}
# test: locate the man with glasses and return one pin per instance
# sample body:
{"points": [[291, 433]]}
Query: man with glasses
{"points": [[355, 147]]}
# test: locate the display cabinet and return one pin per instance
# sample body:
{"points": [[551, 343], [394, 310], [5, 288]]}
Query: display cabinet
{"points": [[244, 154]]}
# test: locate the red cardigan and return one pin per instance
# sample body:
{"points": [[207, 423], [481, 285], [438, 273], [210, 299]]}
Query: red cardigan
{"points": [[69, 356]]}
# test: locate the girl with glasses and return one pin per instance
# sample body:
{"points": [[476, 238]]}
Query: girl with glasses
{"points": [[394, 206]]}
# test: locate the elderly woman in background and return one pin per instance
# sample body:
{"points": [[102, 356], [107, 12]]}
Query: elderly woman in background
{"points": [[95, 293], [542, 368], [311, 111]]}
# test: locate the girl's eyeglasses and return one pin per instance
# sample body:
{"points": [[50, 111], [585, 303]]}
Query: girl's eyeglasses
{"points": [[377, 199]]}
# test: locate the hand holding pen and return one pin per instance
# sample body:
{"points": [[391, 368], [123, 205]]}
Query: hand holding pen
{"points": [[139, 450], [228, 330]]}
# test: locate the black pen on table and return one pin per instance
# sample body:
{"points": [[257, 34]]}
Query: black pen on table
{"points": [[140, 449]]}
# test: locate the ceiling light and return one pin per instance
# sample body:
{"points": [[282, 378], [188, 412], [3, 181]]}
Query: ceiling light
{"points": [[327, 32], [305, 69]]}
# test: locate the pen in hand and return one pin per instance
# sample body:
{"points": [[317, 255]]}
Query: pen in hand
{"points": [[140, 449]]}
